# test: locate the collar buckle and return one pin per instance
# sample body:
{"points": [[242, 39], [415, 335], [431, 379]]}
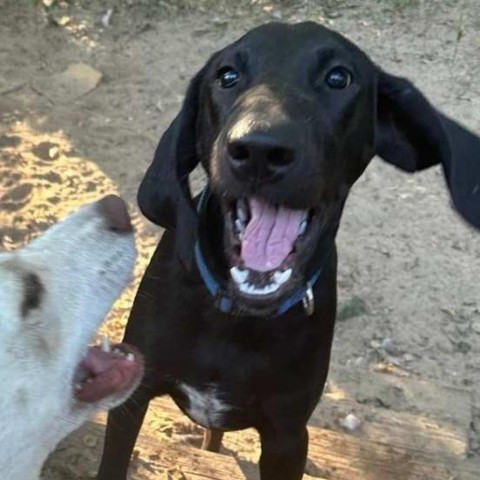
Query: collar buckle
{"points": [[308, 300]]}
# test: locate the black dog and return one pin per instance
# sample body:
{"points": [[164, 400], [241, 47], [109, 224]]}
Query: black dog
{"points": [[235, 314]]}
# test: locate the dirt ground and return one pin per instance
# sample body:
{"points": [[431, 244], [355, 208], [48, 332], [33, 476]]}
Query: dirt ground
{"points": [[409, 269]]}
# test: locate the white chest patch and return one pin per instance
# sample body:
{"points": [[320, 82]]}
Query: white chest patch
{"points": [[206, 406]]}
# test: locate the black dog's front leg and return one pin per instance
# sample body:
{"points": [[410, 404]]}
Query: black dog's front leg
{"points": [[283, 455], [124, 423]]}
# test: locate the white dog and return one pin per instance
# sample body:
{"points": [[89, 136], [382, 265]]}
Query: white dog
{"points": [[54, 293]]}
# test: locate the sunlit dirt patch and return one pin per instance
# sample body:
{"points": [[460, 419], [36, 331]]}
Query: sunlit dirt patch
{"points": [[42, 179]]}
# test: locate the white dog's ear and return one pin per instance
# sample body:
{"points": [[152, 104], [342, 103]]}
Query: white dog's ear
{"points": [[413, 135]]}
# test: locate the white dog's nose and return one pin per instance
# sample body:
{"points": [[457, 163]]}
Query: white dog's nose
{"points": [[114, 209]]}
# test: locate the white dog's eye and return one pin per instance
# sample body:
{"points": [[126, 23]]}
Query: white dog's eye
{"points": [[33, 291]]}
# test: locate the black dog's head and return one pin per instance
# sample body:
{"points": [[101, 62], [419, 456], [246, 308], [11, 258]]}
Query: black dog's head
{"points": [[284, 121]]}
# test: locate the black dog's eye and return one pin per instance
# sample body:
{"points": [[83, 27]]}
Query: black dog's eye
{"points": [[338, 77], [228, 77]]}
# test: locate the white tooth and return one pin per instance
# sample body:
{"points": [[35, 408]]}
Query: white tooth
{"points": [[105, 344], [240, 276], [281, 277], [239, 225], [252, 290], [242, 211], [130, 357], [303, 227], [273, 287]]}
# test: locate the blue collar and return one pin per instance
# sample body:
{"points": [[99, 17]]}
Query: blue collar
{"points": [[224, 303]]}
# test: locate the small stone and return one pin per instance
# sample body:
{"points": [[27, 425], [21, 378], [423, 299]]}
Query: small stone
{"points": [[46, 151], [90, 441], [328, 388], [476, 327], [354, 307], [359, 361], [463, 347], [107, 17], [389, 346], [53, 152], [334, 15], [314, 470], [456, 245], [77, 80], [351, 422], [384, 368], [63, 21]]}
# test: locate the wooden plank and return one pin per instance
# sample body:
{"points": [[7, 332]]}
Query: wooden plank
{"points": [[78, 457], [390, 444], [382, 425], [474, 443], [154, 459], [406, 430], [440, 443], [344, 457], [244, 445], [410, 428], [402, 394]]}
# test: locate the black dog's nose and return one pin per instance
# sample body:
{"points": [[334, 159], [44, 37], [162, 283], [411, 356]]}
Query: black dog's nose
{"points": [[261, 155], [115, 212]]}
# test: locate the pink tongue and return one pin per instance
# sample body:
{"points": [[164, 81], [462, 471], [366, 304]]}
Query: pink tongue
{"points": [[270, 235], [99, 361]]}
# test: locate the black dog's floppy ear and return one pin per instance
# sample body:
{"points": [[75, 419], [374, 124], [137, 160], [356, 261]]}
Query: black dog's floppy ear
{"points": [[164, 195], [413, 135], [462, 170]]}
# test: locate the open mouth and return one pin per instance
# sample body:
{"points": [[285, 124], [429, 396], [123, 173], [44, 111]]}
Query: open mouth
{"points": [[107, 370], [268, 246]]}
